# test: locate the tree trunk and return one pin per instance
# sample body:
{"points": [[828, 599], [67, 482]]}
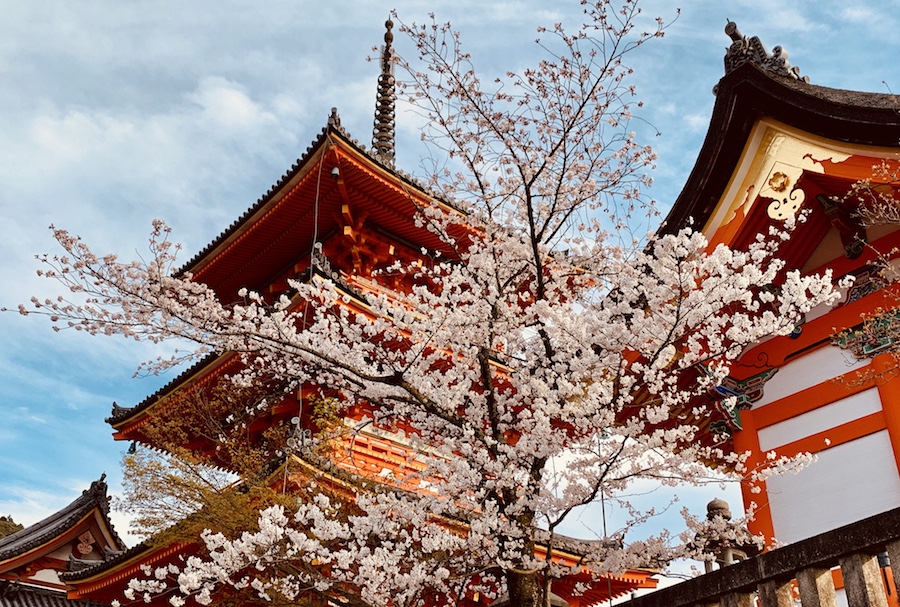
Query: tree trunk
{"points": [[524, 589]]}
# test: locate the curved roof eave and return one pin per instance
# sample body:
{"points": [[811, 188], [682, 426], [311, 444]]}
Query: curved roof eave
{"points": [[748, 94], [121, 415], [332, 129], [58, 523]]}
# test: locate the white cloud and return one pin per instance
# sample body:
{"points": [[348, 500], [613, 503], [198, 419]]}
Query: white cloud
{"points": [[226, 104], [78, 134], [26, 415], [696, 122], [859, 14], [29, 505]]}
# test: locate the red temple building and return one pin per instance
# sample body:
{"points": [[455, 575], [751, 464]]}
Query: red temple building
{"points": [[33, 559], [777, 147]]}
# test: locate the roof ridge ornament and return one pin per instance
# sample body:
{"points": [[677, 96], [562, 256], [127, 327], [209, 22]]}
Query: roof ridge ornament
{"points": [[752, 50], [383, 133], [334, 120]]}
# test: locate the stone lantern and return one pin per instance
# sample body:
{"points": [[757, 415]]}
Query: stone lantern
{"points": [[726, 551]]}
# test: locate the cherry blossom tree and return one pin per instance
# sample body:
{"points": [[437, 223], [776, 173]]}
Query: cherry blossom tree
{"points": [[549, 363]]}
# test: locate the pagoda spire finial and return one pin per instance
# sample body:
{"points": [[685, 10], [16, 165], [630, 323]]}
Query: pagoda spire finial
{"points": [[383, 135]]}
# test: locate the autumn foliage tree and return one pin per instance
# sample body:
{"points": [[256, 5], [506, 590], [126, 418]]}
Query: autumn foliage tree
{"points": [[8, 526], [533, 373]]}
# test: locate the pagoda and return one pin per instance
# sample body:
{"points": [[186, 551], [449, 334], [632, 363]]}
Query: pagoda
{"points": [[341, 212]]}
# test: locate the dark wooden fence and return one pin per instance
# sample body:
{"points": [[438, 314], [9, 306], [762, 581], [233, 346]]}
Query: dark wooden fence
{"points": [[807, 564]]}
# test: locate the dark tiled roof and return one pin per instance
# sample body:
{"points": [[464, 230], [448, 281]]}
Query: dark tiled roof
{"points": [[333, 127], [17, 595], [58, 523], [120, 413], [750, 93]]}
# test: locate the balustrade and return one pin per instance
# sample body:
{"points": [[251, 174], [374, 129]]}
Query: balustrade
{"points": [[769, 580]]}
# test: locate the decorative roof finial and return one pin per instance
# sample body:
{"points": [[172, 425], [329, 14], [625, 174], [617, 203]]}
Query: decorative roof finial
{"points": [[334, 120], [383, 135], [751, 50], [718, 507]]}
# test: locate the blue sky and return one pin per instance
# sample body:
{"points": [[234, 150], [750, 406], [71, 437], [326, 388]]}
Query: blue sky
{"points": [[116, 113]]}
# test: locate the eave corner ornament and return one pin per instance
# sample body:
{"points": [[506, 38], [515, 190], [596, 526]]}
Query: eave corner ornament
{"points": [[732, 396], [751, 50]]}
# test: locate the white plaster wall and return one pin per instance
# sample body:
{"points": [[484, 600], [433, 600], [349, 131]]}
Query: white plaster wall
{"points": [[823, 309], [808, 370], [845, 484], [62, 553], [47, 575], [820, 419]]}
